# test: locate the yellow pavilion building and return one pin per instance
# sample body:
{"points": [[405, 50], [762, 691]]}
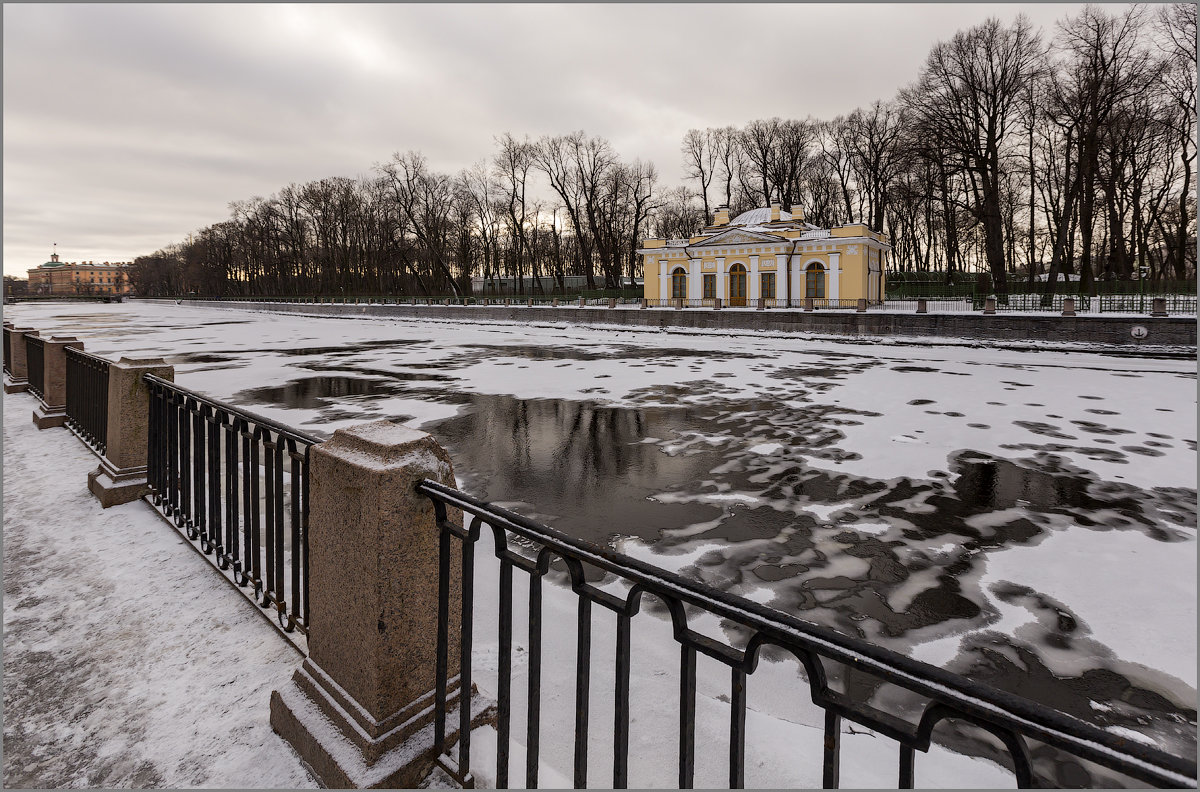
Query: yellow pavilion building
{"points": [[767, 254]]}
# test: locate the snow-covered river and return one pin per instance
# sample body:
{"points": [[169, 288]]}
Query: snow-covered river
{"points": [[1024, 517]]}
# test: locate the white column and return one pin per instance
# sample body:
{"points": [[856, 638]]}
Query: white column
{"points": [[753, 287], [797, 279], [695, 280], [664, 280], [721, 278], [835, 275], [781, 276]]}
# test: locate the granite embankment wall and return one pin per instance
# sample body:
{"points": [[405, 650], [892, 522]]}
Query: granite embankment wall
{"points": [[1116, 330]]}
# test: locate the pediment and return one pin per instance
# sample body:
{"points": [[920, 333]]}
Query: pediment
{"points": [[737, 236]]}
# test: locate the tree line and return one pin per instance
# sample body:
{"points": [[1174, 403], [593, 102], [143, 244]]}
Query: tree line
{"points": [[1013, 152]]}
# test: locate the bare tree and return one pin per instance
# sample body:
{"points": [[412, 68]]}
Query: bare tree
{"points": [[968, 94], [700, 152]]}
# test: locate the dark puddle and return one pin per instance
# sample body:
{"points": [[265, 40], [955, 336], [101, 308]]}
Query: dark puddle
{"points": [[616, 352], [579, 466], [345, 349], [315, 392]]}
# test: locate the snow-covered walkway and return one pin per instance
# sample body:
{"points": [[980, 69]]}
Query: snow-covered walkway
{"points": [[128, 662]]}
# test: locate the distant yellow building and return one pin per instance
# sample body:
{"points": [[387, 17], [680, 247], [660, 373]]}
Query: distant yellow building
{"points": [[770, 254], [84, 277]]}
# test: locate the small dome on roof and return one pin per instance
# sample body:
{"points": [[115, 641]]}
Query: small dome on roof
{"points": [[758, 217], [52, 264]]}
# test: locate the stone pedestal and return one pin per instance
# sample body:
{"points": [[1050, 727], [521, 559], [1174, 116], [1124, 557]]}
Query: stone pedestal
{"points": [[808, 303], [760, 304], [16, 379], [861, 307], [922, 306], [360, 710], [645, 303], [717, 304], [121, 476], [52, 411], [582, 302], [1068, 306], [1158, 306], [612, 303], [989, 305]]}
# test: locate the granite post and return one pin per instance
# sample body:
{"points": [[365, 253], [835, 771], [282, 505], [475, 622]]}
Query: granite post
{"points": [[808, 303], [922, 306], [1068, 306], [16, 379], [862, 306], [359, 711], [1158, 306], [645, 303], [989, 305], [612, 302], [582, 302], [121, 476], [717, 304], [52, 410]]}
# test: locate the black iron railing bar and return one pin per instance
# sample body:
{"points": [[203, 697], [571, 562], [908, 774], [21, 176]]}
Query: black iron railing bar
{"points": [[185, 436], [1007, 710], [95, 358], [263, 421], [87, 398]]}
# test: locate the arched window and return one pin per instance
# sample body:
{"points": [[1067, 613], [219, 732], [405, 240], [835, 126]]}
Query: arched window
{"points": [[814, 280], [679, 284], [737, 285]]}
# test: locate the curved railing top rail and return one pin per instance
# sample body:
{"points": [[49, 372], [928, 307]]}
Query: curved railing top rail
{"points": [[283, 429], [973, 698]]}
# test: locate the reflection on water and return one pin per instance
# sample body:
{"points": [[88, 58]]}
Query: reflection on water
{"points": [[581, 467], [315, 392]]}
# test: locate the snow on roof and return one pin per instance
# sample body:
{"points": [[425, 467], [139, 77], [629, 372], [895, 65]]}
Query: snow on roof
{"points": [[758, 216]]}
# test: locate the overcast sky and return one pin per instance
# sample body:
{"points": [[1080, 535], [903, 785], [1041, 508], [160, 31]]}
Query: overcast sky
{"points": [[128, 126]]}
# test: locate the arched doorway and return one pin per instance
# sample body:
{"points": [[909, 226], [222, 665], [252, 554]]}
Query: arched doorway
{"points": [[679, 284], [814, 280], [737, 285]]}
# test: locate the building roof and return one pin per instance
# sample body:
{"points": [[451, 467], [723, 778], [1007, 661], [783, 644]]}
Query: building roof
{"points": [[758, 216]]}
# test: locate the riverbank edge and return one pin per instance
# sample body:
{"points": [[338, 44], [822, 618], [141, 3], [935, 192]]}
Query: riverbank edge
{"points": [[1169, 337]]}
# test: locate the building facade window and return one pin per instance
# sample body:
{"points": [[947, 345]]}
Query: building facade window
{"points": [[768, 286], [814, 281], [679, 284], [710, 287]]}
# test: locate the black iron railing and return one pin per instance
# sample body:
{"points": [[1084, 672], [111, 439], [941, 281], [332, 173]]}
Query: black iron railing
{"points": [[1011, 719], [237, 484], [1040, 302], [1144, 303], [7, 352], [87, 398], [35, 365]]}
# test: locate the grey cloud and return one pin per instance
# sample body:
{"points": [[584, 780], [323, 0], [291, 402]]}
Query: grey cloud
{"points": [[127, 126]]}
